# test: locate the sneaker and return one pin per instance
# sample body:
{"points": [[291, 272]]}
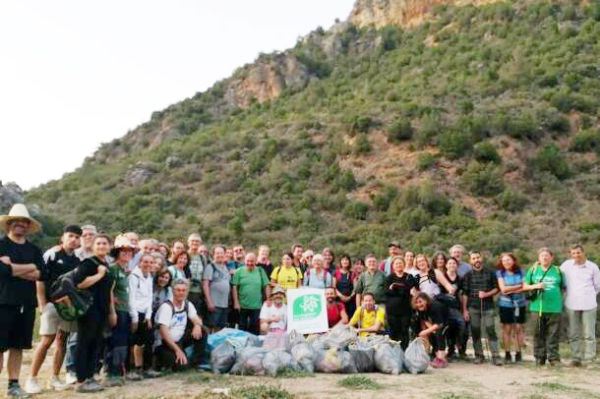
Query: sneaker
{"points": [[89, 386], [575, 363], [134, 376], [518, 357], [439, 363], [151, 374], [32, 386], [70, 378], [114, 381], [56, 384], [15, 391], [478, 360], [496, 361]]}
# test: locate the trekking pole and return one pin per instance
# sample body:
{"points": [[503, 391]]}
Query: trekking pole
{"points": [[482, 327]]}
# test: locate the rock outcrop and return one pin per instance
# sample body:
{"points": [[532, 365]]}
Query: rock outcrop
{"points": [[404, 13], [266, 79], [10, 194], [140, 173]]}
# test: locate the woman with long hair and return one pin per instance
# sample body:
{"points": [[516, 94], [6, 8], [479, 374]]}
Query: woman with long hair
{"points": [[430, 319], [397, 300], [162, 289], [456, 323], [329, 260], [511, 303], [180, 267], [439, 261], [345, 283], [409, 262], [430, 280]]}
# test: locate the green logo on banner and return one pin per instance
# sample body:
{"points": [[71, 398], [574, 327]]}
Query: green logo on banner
{"points": [[307, 307]]}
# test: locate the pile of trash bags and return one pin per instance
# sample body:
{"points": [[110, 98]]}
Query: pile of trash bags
{"points": [[340, 350]]}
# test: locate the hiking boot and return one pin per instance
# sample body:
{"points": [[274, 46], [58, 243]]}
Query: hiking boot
{"points": [[540, 362], [151, 374], [32, 386], [114, 381], [134, 376], [575, 363], [479, 360], [89, 386], [15, 391], [496, 361], [507, 358], [518, 357], [56, 384]]}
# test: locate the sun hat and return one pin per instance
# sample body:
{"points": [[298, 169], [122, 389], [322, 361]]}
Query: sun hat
{"points": [[123, 242], [277, 290], [19, 211], [394, 244]]}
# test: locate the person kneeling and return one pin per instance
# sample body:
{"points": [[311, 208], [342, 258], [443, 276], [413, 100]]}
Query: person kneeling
{"points": [[369, 318], [179, 327], [431, 318], [273, 314]]}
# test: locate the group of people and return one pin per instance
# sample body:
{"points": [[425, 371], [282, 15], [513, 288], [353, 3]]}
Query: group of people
{"points": [[141, 306]]}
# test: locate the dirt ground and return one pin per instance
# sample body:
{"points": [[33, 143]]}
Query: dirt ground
{"points": [[459, 380]]}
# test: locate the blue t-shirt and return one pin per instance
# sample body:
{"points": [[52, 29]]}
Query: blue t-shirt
{"points": [[511, 300]]}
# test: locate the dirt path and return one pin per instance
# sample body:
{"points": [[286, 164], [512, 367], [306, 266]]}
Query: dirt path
{"points": [[460, 380]]}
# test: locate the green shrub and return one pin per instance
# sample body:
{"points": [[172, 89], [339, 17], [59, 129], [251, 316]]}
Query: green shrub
{"points": [[363, 124], [431, 126], [483, 180], [356, 210], [586, 141], [425, 161], [362, 144], [512, 201], [549, 159], [486, 153], [415, 219], [454, 145], [400, 130]]}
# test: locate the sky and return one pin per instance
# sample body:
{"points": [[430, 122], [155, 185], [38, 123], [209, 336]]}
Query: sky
{"points": [[75, 74]]}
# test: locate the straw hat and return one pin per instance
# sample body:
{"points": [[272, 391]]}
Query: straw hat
{"points": [[19, 211], [123, 242]]}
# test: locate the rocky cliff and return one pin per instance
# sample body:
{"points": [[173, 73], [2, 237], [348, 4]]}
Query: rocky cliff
{"points": [[404, 13]]}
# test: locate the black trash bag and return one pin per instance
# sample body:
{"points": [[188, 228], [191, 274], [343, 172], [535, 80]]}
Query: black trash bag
{"points": [[416, 358], [222, 358], [278, 360], [389, 359], [362, 356], [249, 361], [305, 356]]}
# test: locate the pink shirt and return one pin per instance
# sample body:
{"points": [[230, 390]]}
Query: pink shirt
{"points": [[583, 284]]}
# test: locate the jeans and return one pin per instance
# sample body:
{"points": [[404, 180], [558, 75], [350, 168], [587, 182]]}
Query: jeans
{"points": [[249, 320], [546, 336], [582, 325], [118, 346], [218, 318], [455, 331], [483, 321], [70, 356]]}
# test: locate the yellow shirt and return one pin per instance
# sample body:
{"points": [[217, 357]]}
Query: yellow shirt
{"points": [[287, 278], [367, 318]]}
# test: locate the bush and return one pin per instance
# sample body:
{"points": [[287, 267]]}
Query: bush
{"points": [[512, 201], [356, 210], [486, 153], [549, 159], [400, 130], [415, 219], [586, 141], [362, 145], [430, 127], [483, 179], [363, 124], [454, 145], [425, 161]]}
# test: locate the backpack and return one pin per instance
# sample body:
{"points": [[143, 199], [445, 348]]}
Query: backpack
{"points": [[298, 273], [81, 300], [308, 274], [175, 311]]}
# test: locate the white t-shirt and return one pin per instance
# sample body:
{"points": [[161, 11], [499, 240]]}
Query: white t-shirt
{"points": [[176, 322], [267, 312]]}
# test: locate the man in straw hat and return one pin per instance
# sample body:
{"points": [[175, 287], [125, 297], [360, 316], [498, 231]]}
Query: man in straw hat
{"points": [[21, 264]]}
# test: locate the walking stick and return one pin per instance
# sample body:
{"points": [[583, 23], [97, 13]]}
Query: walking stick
{"points": [[482, 327]]}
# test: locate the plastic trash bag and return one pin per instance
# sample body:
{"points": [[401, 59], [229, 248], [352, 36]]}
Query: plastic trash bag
{"points": [[278, 360], [340, 336], [295, 338], [275, 340], [305, 356], [389, 359], [249, 361], [222, 358], [334, 360], [362, 356], [237, 338], [416, 358]]}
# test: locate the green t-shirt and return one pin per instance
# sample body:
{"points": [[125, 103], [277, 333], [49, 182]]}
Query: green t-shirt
{"points": [[550, 300], [250, 286], [119, 277]]}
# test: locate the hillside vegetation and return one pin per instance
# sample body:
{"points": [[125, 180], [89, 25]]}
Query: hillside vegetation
{"points": [[480, 127]]}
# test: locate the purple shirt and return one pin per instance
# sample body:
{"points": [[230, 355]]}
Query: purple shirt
{"points": [[583, 284]]}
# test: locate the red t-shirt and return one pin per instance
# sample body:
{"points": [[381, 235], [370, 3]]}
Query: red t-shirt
{"points": [[334, 313]]}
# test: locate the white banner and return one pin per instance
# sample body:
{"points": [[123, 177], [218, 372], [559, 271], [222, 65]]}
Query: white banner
{"points": [[307, 310]]}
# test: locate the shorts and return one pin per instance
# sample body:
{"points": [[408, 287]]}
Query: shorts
{"points": [[51, 322], [218, 318], [507, 315], [16, 326]]}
